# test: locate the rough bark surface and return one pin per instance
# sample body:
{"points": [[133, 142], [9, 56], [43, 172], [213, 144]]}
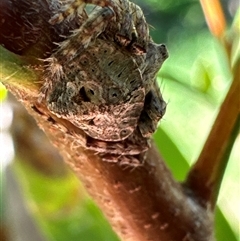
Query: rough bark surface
{"points": [[142, 203]]}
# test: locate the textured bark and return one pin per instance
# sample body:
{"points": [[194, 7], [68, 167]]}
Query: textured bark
{"points": [[143, 203]]}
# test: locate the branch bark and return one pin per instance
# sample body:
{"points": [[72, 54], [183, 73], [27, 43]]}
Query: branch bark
{"points": [[144, 203]]}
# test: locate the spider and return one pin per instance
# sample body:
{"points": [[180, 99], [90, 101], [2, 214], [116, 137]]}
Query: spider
{"points": [[102, 78]]}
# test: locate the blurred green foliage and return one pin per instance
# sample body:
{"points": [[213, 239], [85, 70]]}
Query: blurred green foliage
{"points": [[3, 92], [61, 206]]}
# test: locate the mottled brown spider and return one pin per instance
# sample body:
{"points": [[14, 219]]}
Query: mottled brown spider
{"points": [[103, 77]]}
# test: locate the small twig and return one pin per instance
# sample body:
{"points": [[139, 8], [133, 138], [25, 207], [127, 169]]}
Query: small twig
{"points": [[214, 17], [205, 177]]}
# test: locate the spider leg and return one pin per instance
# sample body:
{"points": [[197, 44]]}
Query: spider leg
{"points": [[125, 29], [76, 6], [82, 37], [73, 46], [132, 27], [141, 39]]}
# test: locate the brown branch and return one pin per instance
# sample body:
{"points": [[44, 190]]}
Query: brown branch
{"points": [[144, 203], [205, 177]]}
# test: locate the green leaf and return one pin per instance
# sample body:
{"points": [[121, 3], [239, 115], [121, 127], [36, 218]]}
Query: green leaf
{"points": [[171, 154], [222, 227]]}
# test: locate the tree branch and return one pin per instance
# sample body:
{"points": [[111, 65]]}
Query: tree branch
{"points": [[205, 177], [142, 203]]}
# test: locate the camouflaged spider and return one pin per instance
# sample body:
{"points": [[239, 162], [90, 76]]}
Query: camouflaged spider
{"points": [[103, 77]]}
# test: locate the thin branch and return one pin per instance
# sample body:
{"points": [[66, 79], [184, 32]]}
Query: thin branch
{"points": [[214, 17], [205, 177]]}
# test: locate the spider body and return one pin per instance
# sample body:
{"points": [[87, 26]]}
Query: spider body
{"points": [[103, 77]]}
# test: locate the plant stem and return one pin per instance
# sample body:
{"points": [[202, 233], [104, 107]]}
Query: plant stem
{"points": [[214, 16], [205, 177]]}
